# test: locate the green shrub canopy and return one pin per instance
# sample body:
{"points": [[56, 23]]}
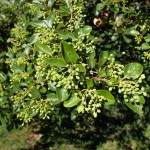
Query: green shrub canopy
{"points": [[68, 52]]}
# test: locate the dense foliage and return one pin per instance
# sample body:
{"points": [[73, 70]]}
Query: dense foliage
{"points": [[66, 58]]}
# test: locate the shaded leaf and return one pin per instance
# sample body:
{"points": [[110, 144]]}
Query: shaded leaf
{"points": [[127, 40], [114, 37], [100, 6], [145, 46], [74, 114], [147, 38]]}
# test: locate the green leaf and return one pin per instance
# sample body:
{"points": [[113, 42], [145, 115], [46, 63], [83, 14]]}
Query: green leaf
{"points": [[62, 34], [74, 100], [69, 5], [141, 99], [81, 68], [127, 40], [110, 98], [53, 98], [16, 87], [2, 77], [32, 113], [58, 62], [114, 37], [112, 82], [36, 93], [145, 46], [69, 53], [50, 19], [102, 74], [39, 5], [136, 108], [147, 38], [74, 114], [64, 11], [91, 61], [50, 3], [78, 23], [62, 94], [86, 29], [30, 69], [38, 24], [78, 33], [100, 6], [133, 32], [133, 70], [103, 58], [80, 107], [51, 86], [33, 38], [43, 48], [89, 83]]}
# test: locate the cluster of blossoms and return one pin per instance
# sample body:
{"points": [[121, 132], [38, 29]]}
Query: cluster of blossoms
{"points": [[41, 66], [115, 70], [68, 79], [131, 90], [92, 101]]}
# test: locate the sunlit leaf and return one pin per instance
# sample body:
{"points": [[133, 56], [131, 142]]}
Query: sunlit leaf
{"points": [[106, 94], [69, 53], [58, 62], [103, 58], [36, 93], [74, 100], [62, 94], [133, 70], [43, 48]]}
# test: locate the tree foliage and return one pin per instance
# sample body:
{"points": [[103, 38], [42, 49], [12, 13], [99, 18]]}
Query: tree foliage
{"points": [[74, 56]]}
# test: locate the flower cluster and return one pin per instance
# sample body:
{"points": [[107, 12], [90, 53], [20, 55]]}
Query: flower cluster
{"points": [[115, 70], [131, 90], [92, 101]]}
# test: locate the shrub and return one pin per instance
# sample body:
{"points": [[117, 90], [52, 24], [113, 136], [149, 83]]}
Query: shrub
{"points": [[58, 56]]}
